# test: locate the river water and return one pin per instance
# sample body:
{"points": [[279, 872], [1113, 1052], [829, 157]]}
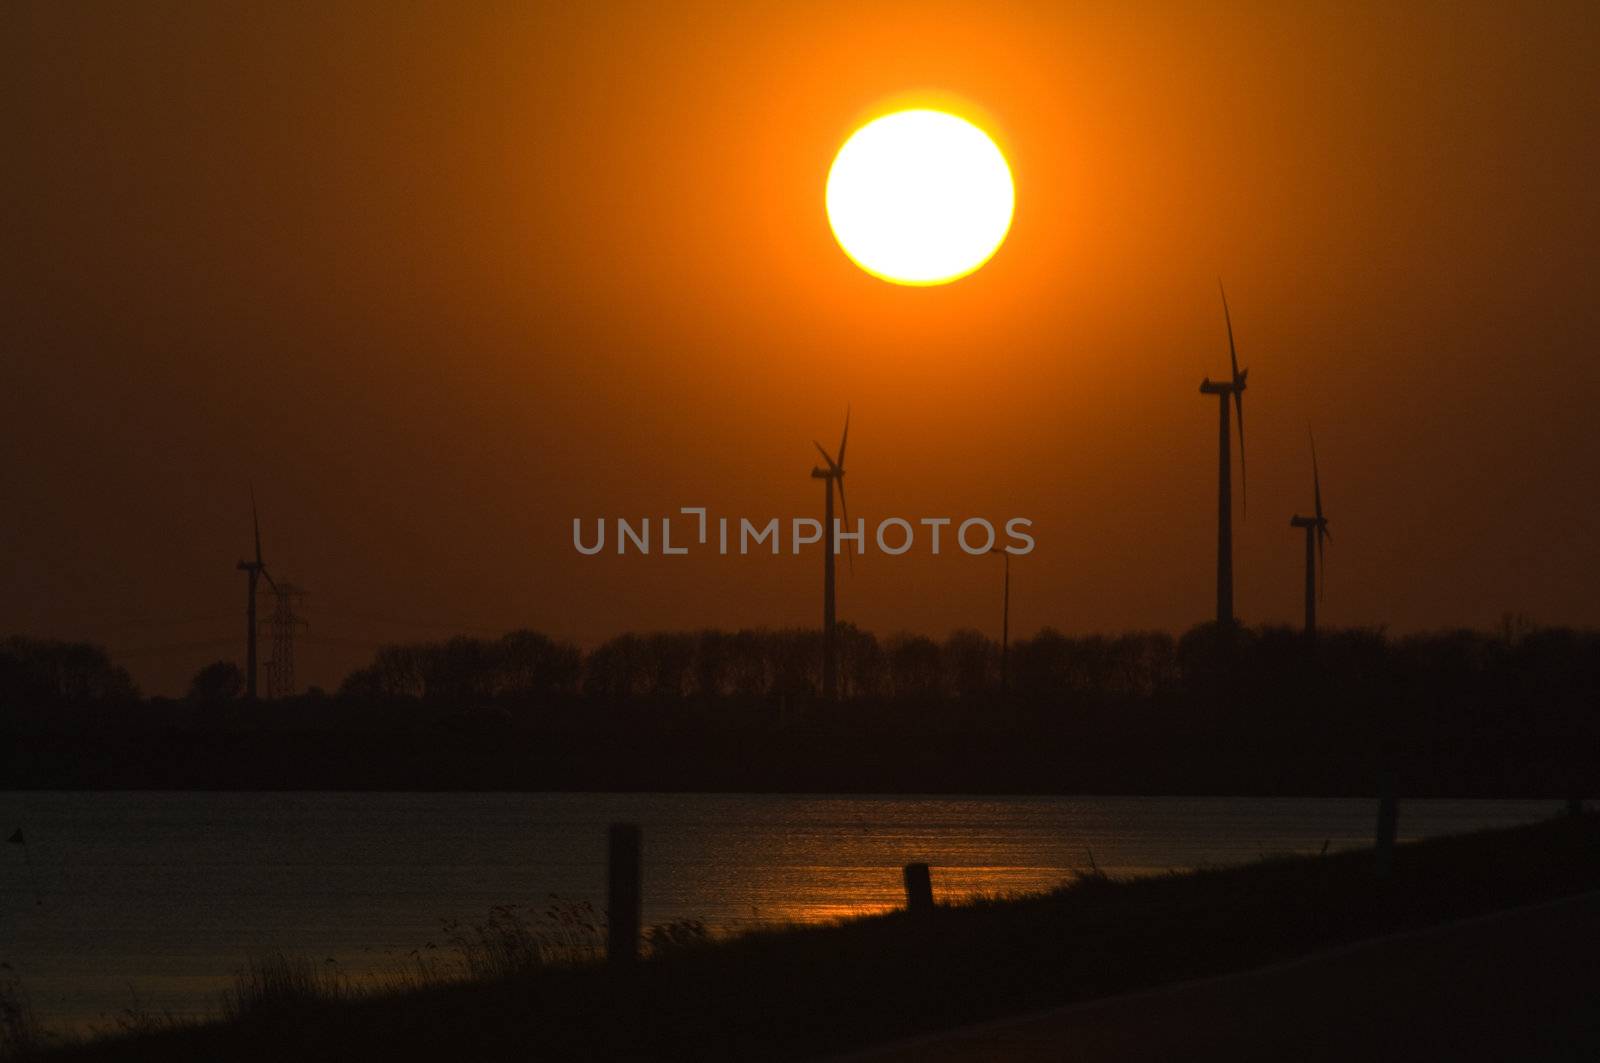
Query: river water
{"points": [[154, 900]]}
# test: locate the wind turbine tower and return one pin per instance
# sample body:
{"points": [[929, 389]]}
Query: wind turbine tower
{"points": [[1222, 390], [830, 475], [1316, 529], [255, 570]]}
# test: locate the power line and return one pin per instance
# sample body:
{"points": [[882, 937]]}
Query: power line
{"points": [[156, 622], [439, 625], [344, 643], [171, 648]]}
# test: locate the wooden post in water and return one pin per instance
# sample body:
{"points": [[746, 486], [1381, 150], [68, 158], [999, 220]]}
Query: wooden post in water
{"points": [[919, 889], [1574, 806], [623, 901], [1388, 826]]}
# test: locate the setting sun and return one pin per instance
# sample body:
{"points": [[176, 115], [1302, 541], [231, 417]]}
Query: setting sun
{"points": [[920, 197]]}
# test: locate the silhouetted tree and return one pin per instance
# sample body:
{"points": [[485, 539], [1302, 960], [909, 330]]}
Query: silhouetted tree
{"points": [[915, 666], [795, 658], [669, 660], [712, 664], [616, 668], [971, 663], [861, 663], [458, 672], [1039, 665], [48, 671], [1147, 664], [395, 673], [532, 665], [217, 682], [1208, 659], [748, 664]]}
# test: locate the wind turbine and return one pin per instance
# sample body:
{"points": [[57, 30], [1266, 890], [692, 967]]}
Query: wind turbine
{"points": [[255, 569], [833, 474], [1005, 622], [1222, 390], [1316, 528]]}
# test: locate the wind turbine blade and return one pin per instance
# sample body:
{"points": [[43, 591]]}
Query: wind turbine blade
{"points": [[1316, 479], [255, 519], [1238, 397], [842, 441], [844, 508], [824, 454], [270, 580], [1233, 355]]}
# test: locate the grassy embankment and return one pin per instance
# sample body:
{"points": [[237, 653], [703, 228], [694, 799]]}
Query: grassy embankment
{"points": [[793, 993]]}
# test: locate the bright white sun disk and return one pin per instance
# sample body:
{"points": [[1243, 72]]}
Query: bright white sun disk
{"points": [[920, 197]]}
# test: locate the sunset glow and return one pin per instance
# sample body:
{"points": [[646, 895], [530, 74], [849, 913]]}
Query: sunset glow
{"points": [[920, 197], [440, 619]]}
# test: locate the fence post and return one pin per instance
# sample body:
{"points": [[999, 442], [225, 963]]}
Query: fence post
{"points": [[919, 889], [1388, 826], [623, 900]]}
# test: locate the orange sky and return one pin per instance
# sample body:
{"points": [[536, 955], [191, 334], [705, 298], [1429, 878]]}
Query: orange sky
{"points": [[438, 283]]}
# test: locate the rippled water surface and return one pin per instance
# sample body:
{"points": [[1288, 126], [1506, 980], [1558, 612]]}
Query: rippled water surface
{"points": [[155, 899]]}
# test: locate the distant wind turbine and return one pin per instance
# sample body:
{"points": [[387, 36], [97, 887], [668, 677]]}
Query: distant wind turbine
{"points": [[255, 569], [831, 475], [1005, 622], [1234, 387], [1316, 528]]}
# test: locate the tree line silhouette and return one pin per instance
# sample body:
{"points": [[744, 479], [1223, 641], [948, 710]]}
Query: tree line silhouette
{"points": [[1217, 709], [1520, 678], [52, 672]]}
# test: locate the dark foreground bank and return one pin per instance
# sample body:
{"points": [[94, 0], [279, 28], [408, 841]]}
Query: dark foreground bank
{"points": [[806, 992], [1516, 984]]}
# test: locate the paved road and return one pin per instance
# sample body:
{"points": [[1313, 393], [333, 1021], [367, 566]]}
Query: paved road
{"points": [[1520, 985]]}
